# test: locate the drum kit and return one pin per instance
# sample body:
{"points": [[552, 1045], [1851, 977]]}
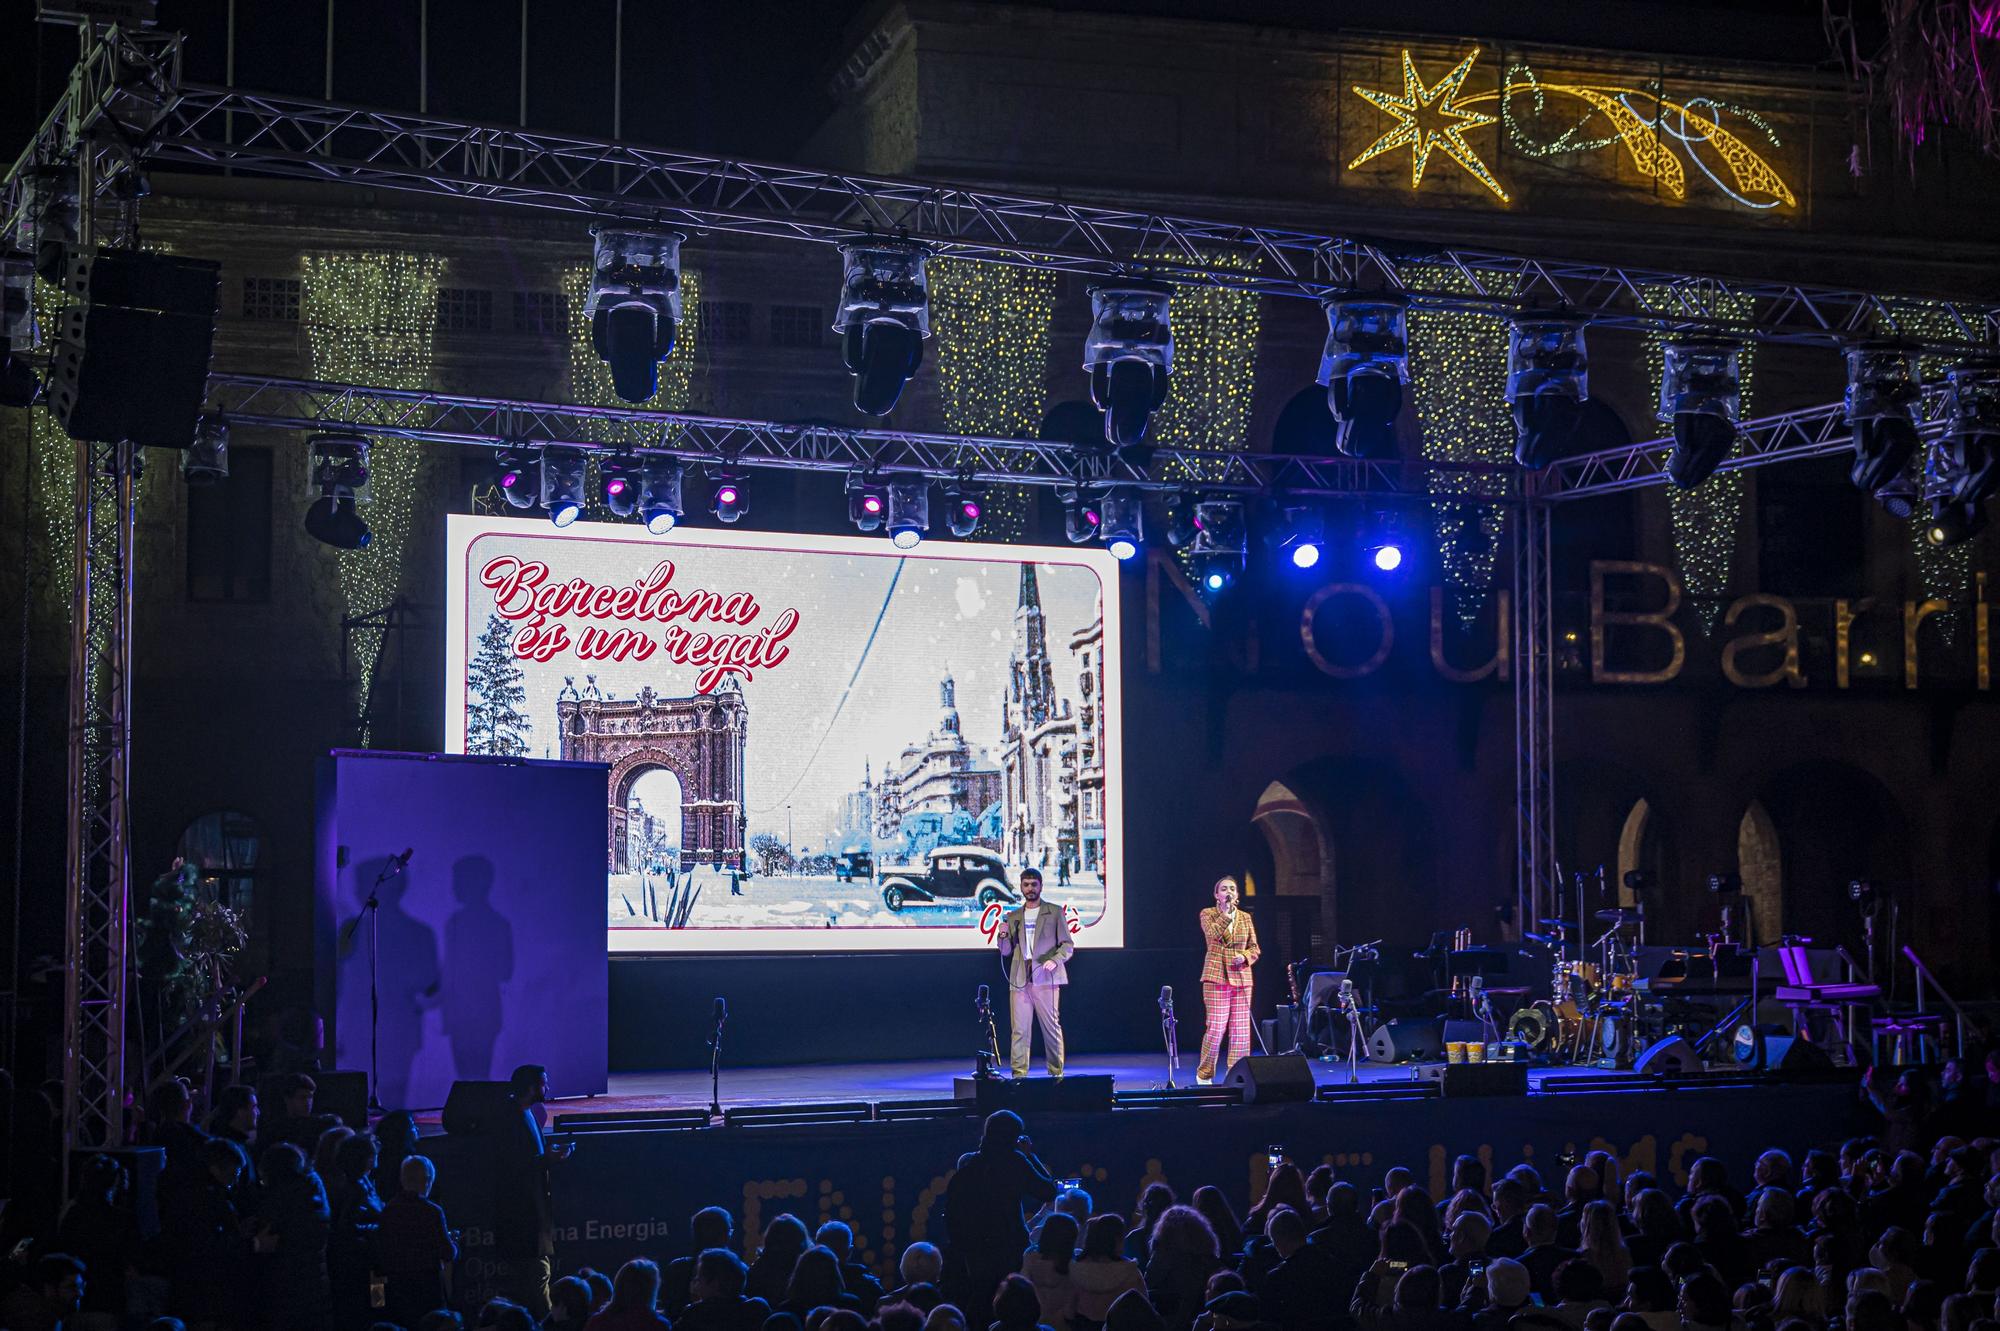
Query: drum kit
{"points": [[1593, 1012]]}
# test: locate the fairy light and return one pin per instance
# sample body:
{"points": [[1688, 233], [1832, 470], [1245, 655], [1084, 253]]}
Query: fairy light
{"points": [[1707, 521], [1458, 378], [370, 317], [991, 325], [1215, 369]]}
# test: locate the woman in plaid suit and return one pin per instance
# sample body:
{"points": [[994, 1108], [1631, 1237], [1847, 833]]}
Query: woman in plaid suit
{"points": [[1225, 979]]}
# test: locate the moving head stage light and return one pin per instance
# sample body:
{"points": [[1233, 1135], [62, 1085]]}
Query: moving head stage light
{"points": [[1548, 380], [1364, 367], [1701, 398], [1883, 388], [634, 305], [340, 473], [1130, 356], [885, 315]]}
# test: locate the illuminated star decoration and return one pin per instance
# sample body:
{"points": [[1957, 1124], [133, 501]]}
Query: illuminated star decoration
{"points": [[1428, 118]]}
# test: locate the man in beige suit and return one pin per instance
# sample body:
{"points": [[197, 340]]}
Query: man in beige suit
{"points": [[1035, 940]]}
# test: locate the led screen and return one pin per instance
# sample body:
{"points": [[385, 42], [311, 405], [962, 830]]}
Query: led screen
{"points": [[812, 744]]}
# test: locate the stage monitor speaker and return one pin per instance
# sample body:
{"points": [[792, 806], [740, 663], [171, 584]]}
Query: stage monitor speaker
{"points": [[1465, 1079], [1039, 1095], [343, 1094], [1788, 1053], [132, 349], [1405, 1039], [1272, 1079], [143, 1167], [474, 1107], [1672, 1056]]}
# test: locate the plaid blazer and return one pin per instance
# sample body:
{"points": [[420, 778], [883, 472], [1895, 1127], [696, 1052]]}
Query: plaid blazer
{"points": [[1232, 943]]}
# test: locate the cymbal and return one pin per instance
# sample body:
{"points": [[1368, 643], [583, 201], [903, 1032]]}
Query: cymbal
{"points": [[1619, 915], [1543, 939], [1548, 923]]}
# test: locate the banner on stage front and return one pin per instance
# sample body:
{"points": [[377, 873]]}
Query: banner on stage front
{"points": [[811, 743]]}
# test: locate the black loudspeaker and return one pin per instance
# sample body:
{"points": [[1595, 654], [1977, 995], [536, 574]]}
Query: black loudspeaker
{"points": [[133, 346], [1405, 1039], [1038, 1095], [143, 1167], [474, 1107], [345, 1095], [1788, 1053], [1673, 1056], [1272, 1079]]}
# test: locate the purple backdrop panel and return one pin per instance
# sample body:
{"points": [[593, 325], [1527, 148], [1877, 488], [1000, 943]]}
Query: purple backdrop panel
{"points": [[491, 940]]}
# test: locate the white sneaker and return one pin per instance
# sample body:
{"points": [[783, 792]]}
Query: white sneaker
{"points": [[1204, 1081]]}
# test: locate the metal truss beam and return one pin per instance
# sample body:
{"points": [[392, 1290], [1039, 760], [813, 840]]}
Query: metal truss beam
{"points": [[267, 134], [1534, 720], [122, 84], [1811, 432], [99, 850], [247, 400]]}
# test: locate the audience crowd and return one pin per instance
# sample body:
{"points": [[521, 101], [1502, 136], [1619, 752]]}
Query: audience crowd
{"points": [[289, 1222]]}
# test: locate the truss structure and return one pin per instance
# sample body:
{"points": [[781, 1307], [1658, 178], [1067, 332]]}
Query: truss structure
{"points": [[271, 135], [448, 418], [1811, 432], [1536, 882], [125, 107]]}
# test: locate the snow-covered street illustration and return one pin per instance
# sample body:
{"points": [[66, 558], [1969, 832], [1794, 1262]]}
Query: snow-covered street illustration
{"points": [[805, 736]]}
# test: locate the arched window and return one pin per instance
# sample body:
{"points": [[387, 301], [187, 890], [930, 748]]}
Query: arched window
{"points": [[228, 848]]}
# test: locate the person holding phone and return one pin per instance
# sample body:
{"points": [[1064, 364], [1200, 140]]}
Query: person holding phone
{"points": [[1225, 979]]}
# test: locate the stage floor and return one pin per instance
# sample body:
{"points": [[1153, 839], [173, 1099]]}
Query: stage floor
{"points": [[929, 1079]]}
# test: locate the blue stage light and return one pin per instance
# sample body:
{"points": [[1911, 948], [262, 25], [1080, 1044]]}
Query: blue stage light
{"points": [[1388, 558], [1305, 556]]}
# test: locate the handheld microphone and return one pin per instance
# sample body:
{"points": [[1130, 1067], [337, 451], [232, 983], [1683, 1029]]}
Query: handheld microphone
{"points": [[402, 862], [982, 1002], [1166, 999], [721, 1013]]}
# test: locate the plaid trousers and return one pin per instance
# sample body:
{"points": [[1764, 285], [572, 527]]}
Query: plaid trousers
{"points": [[1228, 1012]]}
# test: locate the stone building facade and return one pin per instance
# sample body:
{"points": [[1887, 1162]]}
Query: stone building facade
{"points": [[1402, 781]]}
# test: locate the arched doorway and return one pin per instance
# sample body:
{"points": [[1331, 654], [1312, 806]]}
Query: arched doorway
{"points": [[1760, 864], [652, 821], [1300, 860], [1834, 824]]}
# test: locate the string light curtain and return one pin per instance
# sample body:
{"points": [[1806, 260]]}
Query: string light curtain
{"points": [[990, 328], [1215, 368], [1707, 521], [370, 317], [1458, 380]]}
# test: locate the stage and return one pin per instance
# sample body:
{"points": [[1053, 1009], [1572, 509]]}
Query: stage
{"points": [[875, 1143], [926, 1080]]}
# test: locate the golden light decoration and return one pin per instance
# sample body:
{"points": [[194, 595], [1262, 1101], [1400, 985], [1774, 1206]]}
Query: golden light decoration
{"points": [[1707, 521], [1430, 118], [1664, 138], [991, 323], [370, 317], [1458, 381]]}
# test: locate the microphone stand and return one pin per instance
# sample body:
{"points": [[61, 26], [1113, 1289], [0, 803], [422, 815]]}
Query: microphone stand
{"points": [[715, 1065], [987, 1060], [371, 910], [1170, 1032]]}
